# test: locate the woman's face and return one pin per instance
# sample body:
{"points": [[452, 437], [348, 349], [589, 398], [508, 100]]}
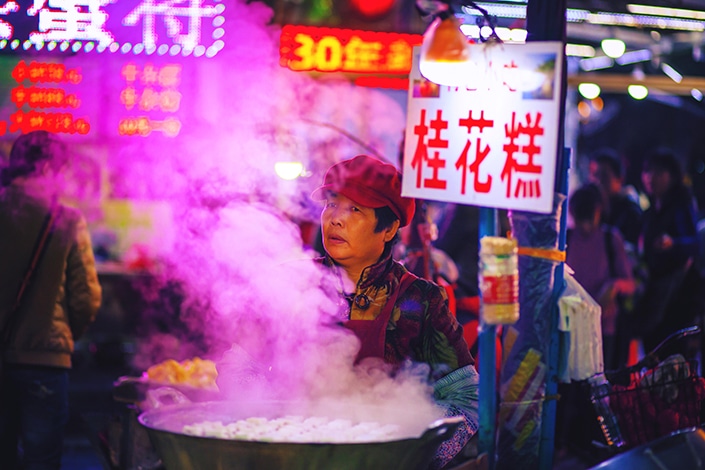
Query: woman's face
{"points": [[587, 226], [349, 235], [602, 174], [656, 181]]}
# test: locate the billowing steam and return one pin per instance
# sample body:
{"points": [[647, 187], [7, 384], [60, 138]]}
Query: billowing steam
{"points": [[245, 291]]}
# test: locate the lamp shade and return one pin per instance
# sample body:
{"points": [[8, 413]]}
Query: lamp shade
{"points": [[445, 54]]}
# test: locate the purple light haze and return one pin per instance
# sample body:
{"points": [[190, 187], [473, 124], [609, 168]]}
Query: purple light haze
{"points": [[225, 229]]}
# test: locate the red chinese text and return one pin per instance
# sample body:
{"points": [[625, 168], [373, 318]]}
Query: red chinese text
{"points": [[421, 153], [527, 184], [481, 153]]}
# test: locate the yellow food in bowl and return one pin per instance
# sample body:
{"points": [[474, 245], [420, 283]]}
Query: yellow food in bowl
{"points": [[194, 372]]}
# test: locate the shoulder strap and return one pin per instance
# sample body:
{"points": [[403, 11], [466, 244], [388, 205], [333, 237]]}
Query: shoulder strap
{"points": [[407, 279], [38, 251]]}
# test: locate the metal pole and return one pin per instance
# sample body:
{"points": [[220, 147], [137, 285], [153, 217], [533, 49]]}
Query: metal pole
{"points": [[488, 354], [548, 418], [545, 21]]}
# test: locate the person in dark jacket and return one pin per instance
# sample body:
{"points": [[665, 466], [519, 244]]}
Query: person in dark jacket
{"points": [[397, 316], [669, 246], [59, 303]]}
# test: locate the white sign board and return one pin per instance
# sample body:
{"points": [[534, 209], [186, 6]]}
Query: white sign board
{"points": [[493, 143]]}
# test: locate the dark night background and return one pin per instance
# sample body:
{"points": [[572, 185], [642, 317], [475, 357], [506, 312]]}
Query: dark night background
{"points": [[635, 128]]}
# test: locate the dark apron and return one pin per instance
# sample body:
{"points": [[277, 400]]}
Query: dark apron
{"points": [[372, 332]]}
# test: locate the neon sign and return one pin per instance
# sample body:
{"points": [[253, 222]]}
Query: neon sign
{"points": [[142, 98], [150, 88], [143, 126], [67, 21], [36, 97], [148, 10], [33, 102], [306, 48], [186, 27]]}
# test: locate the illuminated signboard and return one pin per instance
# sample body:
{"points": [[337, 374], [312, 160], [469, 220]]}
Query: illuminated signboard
{"points": [[151, 88], [50, 79], [365, 53], [42, 100], [493, 143], [187, 27], [137, 97]]}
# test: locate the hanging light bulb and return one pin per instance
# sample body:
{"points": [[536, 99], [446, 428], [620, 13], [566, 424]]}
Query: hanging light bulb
{"points": [[589, 91], [638, 92], [613, 48], [445, 53], [288, 170]]}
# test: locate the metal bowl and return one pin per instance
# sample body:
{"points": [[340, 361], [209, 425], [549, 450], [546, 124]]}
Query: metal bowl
{"points": [[184, 452]]}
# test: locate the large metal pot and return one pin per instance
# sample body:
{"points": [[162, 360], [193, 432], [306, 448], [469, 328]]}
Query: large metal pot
{"points": [[183, 452]]}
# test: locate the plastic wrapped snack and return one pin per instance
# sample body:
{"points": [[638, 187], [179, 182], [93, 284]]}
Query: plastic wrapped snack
{"points": [[499, 280]]}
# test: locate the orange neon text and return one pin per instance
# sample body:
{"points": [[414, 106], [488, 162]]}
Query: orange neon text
{"points": [[307, 48], [143, 126], [149, 99], [37, 97], [53, 122], [167, 76], [45, 72]]}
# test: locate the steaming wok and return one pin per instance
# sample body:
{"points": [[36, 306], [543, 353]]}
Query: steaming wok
{"points": [[182, 452]]}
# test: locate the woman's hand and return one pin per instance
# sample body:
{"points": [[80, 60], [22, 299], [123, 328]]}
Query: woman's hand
{"points": [[624, 286]]}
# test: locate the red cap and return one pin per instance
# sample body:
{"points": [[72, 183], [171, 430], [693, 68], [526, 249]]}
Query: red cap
{"points": [[370, 183]]}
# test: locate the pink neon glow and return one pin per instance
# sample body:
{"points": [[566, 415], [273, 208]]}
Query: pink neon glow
{"points": [[206, 209]]}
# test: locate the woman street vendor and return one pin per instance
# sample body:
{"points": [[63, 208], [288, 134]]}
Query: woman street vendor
{"points": [[397, 316]]}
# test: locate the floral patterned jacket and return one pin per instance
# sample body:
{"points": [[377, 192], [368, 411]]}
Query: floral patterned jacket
{"points": [[421, 329]]}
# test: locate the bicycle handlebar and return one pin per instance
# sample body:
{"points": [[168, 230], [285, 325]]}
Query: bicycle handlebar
{"points": [[652, 359]]}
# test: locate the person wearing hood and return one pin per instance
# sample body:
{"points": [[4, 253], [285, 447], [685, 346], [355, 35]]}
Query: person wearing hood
{"points": [[397, 316]]}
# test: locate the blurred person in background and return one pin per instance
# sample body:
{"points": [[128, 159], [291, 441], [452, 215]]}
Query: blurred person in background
{"points": [[458, 237], [673, 296], [397, 316], [595, 251], [419, 256], [60, 300], [622, 209]]}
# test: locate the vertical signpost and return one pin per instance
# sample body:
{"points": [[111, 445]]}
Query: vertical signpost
{"points": [[491, 144], [487, 360]]}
